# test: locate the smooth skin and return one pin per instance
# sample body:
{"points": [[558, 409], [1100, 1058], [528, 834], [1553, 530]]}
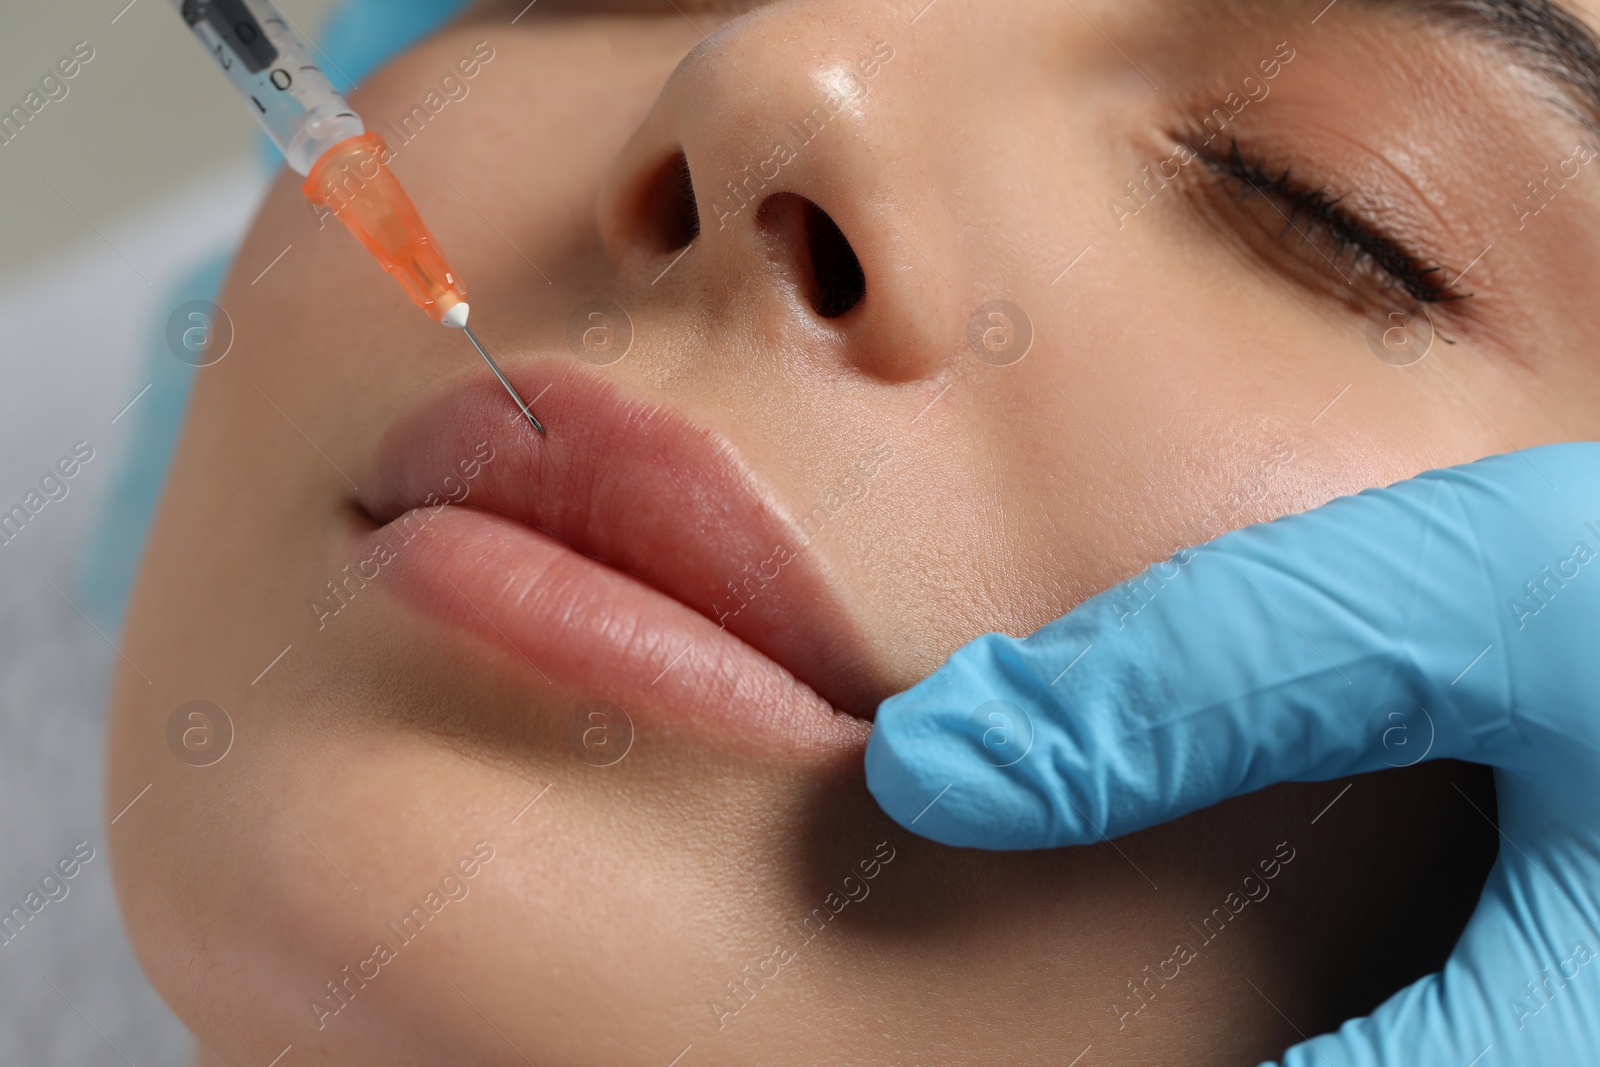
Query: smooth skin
{"points": [[1319, 646], [1190, 373]]}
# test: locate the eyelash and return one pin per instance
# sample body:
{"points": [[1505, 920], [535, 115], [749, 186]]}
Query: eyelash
{"points": [[1315, 209]]}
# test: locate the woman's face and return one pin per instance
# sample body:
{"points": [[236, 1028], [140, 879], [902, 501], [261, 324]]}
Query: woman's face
{"points": [[986, 307]]}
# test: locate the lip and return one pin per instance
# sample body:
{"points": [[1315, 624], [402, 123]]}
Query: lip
{"points": [[628, 552]]}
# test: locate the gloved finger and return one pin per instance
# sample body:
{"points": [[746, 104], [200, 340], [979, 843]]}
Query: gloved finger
{"points": [[1449, 615]]}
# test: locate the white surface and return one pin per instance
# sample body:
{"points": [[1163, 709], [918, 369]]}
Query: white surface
{"points": [[457, 315], [74, 338]]}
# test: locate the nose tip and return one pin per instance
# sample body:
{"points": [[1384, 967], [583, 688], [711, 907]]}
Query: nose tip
{"points": [[777, 196]]}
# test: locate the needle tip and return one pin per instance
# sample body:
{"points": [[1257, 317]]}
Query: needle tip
{"points": [[522, 405]]}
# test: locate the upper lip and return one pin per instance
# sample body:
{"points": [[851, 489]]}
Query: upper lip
{"points": [[633, 484]]}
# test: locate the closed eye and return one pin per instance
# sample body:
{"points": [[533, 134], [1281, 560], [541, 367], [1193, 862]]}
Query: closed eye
{"points": [[1314, 217]]}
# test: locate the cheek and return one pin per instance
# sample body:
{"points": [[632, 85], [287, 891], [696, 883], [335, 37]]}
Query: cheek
{"points": [[1140, 427]]}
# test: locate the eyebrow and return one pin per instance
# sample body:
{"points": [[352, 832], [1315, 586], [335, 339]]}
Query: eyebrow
{"points": [[1546, 39]]}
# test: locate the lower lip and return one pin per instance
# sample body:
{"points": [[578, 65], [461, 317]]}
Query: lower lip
{"points": [[570, 625]]}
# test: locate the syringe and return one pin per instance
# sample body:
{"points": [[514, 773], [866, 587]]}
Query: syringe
{"points": [[346, 168]]}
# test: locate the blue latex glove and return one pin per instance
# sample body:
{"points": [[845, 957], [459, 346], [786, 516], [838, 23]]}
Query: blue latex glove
{"points": [[1453, 615]]}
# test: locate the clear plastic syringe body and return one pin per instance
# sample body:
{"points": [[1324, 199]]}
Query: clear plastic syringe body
{"points": [[271, 67], [346, 168]]}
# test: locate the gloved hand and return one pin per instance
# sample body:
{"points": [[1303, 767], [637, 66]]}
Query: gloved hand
{"points": [[1453, 615]]}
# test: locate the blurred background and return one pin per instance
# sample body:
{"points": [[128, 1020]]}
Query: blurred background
{"points": [[121, 200]]}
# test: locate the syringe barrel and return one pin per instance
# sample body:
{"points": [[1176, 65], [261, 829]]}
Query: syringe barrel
{"points": [[272, 68]]}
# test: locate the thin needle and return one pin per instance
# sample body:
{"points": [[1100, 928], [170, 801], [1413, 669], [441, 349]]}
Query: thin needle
{"points": [[498, 373]]}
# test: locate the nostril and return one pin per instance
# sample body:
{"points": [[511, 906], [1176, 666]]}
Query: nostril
{"points": [[802, 234], [669, 207], [840, 281]]}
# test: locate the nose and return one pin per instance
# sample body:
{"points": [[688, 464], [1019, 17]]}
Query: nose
{"points": [[784, 180]]}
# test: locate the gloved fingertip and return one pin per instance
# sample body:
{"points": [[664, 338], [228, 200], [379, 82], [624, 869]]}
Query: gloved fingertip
{"points": [[936, 765], [897, 783], [920, 786]]}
